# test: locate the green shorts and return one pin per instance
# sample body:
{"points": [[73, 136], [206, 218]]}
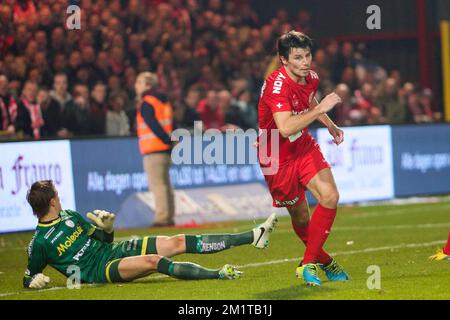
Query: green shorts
{"points": [[124, 249]]}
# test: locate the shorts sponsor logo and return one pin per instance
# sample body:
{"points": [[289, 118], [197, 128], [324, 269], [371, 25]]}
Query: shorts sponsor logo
{"points": [[287, 203]]}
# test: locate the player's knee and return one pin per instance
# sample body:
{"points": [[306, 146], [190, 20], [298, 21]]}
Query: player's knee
{"points": [[330, 199], [179, 243], [152, 261], [301, 221]]}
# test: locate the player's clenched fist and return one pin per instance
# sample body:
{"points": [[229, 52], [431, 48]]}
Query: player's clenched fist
{"points": [[39, 281], [102, 219], [329, 102]]}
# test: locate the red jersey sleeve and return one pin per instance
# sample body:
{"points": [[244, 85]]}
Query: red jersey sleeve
{"points": [[276, 98]]}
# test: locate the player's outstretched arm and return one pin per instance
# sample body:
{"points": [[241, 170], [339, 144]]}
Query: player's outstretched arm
{"points": [[289, 124], [336, 132], [105, 221]]}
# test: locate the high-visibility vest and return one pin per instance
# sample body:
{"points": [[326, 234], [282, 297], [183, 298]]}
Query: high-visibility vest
{"points": [[148, 141]]}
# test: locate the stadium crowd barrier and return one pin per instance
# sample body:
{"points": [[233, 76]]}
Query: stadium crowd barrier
{"points": [[374, 163]]}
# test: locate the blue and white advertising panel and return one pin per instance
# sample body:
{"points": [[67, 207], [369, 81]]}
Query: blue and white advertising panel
{"points": [[110, 171], [23, 163], [422, 159], [362, 164]]}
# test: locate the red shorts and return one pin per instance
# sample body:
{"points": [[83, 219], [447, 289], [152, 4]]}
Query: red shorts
{"points": [[288, 185]]}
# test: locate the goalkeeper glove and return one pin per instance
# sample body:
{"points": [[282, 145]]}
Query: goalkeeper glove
{"points": [[39, 281], [102, 219]]}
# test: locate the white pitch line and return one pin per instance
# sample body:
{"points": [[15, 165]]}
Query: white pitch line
{"points": [[272, 262], [342, 253], [44, 290]]}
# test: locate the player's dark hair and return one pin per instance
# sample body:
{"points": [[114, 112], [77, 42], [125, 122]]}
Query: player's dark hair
{"points": [[293, 39], [39, 196]]}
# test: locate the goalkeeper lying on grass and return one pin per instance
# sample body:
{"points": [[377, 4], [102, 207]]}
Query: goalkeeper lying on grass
{"points": [[64, 239]]}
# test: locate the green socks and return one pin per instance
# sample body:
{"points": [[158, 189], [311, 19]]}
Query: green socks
{"points": [[211, 243], [186, 270]]}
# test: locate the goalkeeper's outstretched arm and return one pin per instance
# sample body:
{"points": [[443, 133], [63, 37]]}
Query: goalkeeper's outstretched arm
{"points": [[104, 221], [102, 231]]}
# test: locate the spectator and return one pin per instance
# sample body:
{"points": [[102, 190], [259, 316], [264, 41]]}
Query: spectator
{"points": [[420, 107], [29, 103], [186, 114], [60, 102], [116, 119], [8, 108], [23, 10], [210, 113], [247, 111], [78, 113], [43, 99], [345, 114], [392, 103], [368, 111], [98, 109]]}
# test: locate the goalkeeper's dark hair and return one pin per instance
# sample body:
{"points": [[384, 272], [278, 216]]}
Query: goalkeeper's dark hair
{"points": [[39, 196], [293, 39]]}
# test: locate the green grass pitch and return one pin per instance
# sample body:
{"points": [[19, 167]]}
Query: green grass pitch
{"points": [[396, 238]]}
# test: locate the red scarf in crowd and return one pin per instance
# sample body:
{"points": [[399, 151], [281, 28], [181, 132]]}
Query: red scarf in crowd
{"points": [[4, 110], [36, 117]]}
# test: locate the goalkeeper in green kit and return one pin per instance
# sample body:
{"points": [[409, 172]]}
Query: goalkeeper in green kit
{"points": [[64, 239]]}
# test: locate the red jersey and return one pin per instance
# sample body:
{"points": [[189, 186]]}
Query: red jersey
{"points": [[280, 93]]}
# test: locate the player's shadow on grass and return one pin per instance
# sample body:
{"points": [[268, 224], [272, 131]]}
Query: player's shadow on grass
{"points": [[295, 292]]}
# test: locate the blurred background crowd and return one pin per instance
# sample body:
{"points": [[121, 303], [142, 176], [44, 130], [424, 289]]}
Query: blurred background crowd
{"points": [[211, 58]]}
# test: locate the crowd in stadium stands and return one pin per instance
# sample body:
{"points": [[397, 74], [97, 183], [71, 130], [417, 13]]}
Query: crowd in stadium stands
{"points": [[211, 57]]}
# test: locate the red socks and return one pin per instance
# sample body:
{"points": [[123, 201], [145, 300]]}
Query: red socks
{"points": [[318, 231], [302, 233], [447, 246]]}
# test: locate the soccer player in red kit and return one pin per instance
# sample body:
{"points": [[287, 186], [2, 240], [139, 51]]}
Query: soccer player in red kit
{"points": [[290, 158]]}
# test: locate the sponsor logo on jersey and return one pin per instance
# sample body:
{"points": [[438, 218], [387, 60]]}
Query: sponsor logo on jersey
{"points": [[59, 234], [70, 223], [70, 240], [287, 203], [82, 251], [278, 83]]}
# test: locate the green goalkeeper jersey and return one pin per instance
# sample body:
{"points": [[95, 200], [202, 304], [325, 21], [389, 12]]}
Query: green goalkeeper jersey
{"points": [[69, 241]]}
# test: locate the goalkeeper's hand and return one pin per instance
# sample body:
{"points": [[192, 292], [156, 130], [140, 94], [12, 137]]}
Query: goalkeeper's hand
{"points": [[39, 281], [102, 219]]}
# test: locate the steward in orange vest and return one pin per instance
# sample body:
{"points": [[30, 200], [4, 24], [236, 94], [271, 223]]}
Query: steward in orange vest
{"points": [[154, 120]]}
